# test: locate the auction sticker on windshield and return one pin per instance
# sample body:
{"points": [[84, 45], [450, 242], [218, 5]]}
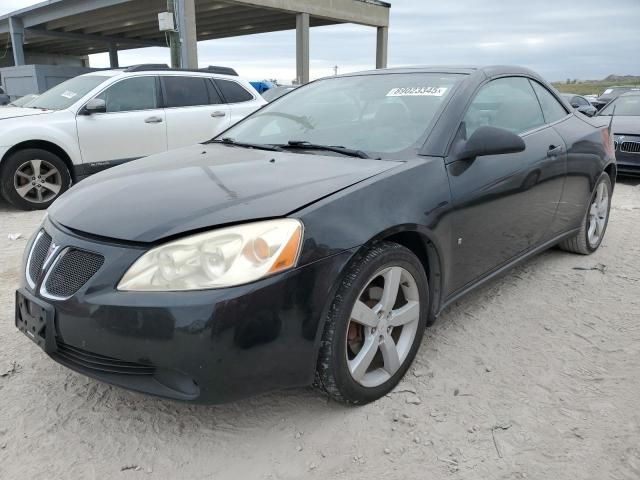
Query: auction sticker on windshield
{"points": [[417, 92], [69, 94]]}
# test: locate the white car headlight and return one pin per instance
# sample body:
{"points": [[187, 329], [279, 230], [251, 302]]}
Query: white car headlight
{"points": [[220, 258]]}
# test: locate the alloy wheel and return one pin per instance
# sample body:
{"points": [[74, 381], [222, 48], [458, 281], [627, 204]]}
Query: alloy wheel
{"points": [[37, 181], [598, 214], [382, 326]]}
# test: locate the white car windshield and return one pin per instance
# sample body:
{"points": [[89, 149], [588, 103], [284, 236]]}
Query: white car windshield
{"points": [[387, 113], [67, 93]]}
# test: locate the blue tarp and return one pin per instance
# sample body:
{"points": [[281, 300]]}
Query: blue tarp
{"points": [[262, 86]]}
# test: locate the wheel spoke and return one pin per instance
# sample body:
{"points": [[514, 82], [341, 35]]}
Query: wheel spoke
{"points": [[405, 314], [24, 190], [391, 286], [390, 355], [359, 365], [39, 194], [364, 315], [35, 165], [599, 226], [53, 171], [20, 173], [600, 194], [52, 187], [592, 227]]}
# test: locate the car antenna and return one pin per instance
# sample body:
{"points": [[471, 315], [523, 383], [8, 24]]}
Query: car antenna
{"points": [[613, 112]]}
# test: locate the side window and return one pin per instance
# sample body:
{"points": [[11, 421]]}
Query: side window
{"points": [[551, 108], [139, 93], [233, 92], [214, 96], [508, 103], [185, 91]]}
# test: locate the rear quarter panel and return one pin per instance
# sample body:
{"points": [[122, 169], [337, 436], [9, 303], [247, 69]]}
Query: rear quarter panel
{"points": [[587, 157]]}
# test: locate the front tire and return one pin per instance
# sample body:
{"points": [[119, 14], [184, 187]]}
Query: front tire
{"points": [[594, 224], [33, 178], [375, 325]]}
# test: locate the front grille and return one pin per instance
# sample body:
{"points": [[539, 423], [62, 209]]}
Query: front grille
{"points": [[70, 272], [630, 147], [38, 255], [100, 363]]}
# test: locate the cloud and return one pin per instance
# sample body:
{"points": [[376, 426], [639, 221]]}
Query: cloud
{"points": [[573, 38]]}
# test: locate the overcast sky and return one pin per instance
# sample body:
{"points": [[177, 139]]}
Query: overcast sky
{"points": [[585, 39]]}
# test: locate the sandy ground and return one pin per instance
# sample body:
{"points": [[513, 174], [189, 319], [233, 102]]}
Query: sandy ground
{"points": [[536, 375]]}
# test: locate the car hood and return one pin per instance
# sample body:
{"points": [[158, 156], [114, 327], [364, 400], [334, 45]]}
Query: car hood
{"points": [[203, 186], [15, 112], [623, 125]]}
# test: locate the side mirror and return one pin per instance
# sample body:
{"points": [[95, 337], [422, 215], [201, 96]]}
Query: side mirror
{"points": [[95, 105], [589, 111], [489, 141]]}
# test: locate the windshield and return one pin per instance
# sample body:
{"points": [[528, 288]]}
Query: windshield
{"points": [[67, 93], [23, 101], [386, 113], [625, 107]]}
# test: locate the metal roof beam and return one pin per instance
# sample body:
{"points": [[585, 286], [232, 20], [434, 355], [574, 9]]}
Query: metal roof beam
{"points": [[363, 13], [93, 38]]}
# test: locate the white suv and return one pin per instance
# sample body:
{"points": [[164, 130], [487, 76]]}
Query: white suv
{"points": [[105, 118]]}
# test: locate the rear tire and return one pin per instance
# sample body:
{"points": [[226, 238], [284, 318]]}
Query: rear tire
{"points": [[594, 224], [372, 334], [32, 179]]}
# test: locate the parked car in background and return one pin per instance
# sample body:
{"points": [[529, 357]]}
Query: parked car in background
{"points": [[315, 240], [22, 101], [626, 129], [580, 103], [106, 118], [4, 98], [276, 92], [611, 93]]}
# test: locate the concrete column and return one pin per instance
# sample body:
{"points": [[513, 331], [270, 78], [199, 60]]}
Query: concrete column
{"points": [[302, 48], [16, 30], [113, 56], [382, 47], [186, 16]]}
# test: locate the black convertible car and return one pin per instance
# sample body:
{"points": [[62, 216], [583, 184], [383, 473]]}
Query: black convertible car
{"points": [[314, 241]]}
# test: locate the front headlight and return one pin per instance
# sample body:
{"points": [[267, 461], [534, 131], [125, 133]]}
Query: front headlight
{"points": [[220, 258]]}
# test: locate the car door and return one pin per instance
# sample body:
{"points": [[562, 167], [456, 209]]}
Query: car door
{"points": [[240, 100], [132, 126], [503, 205], [195, 111]]}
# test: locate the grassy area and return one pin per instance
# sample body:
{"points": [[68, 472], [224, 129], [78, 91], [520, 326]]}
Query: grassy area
{"points": [[588, 88]]}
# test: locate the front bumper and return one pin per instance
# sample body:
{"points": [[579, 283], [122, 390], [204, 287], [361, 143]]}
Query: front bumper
{"points": [[627, 158], [207, 346]]}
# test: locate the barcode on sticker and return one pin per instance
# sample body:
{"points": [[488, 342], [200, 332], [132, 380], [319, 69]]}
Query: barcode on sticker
{"points": [[417, 92]]}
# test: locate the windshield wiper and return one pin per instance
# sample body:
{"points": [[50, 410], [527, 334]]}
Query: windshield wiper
{"points": [[304, 145], [257, 146]]}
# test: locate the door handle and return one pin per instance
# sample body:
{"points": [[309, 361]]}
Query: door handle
{"points": [[153, 120], [218, 114], [554, 150]]}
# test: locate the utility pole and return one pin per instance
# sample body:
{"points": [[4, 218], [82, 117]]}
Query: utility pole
{"points": [[174, 38], [335, 70]]}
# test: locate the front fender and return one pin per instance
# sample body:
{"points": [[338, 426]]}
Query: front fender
{"points": [[58, 128], [413, 197]]}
